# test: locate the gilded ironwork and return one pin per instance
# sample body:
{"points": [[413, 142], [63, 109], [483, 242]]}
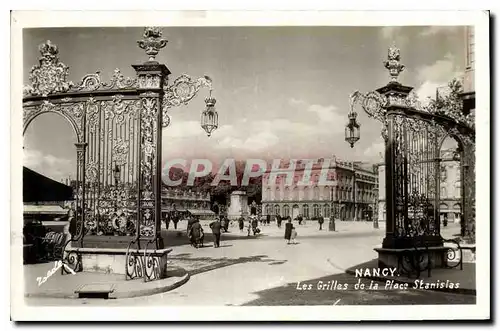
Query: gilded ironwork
{"points": [[118, 147], [181, 91], [50, 75], [152, 42], [148, 162], [94, 82], [73, 112]]}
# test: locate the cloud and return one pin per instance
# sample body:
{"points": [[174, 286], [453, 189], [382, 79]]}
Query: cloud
{"points": [[256, 142], [433, 30], [182, 129], [326, 113], [390, 32], [48, 165], [441, 70], [375, 152], [283, 125], [296, 102], [436, 75]]}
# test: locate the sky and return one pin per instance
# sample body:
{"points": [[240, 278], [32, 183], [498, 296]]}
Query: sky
{"points": [[282, 92]]}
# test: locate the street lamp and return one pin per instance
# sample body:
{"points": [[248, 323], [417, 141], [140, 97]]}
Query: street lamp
{"points": [[210, 118], [116, 174], [352, 131]]}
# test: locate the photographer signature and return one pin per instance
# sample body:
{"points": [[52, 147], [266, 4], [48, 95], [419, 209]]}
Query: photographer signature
{"points": [[57, 266]]}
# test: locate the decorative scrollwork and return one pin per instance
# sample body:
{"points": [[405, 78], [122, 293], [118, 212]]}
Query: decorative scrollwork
{"points": [[454, 254], [151, 263], [94, 82], [182, 90], [120, 151], [73, 112], [50, 75]]}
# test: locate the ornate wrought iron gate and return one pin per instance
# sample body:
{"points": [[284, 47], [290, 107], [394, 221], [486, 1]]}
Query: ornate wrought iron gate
{"points": [[413, 138], [118, 126]]}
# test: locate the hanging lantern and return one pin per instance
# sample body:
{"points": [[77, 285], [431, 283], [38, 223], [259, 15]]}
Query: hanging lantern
{"points": [[210, 118], [352, 131]]}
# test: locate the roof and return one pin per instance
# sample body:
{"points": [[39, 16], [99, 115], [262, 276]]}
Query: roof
{"points": [[44, 210], [37, 187]]}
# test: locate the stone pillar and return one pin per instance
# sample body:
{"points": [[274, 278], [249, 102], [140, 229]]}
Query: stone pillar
{"points": [[238, 205]]}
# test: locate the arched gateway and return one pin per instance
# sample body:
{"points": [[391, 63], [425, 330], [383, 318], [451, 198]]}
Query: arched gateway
{"points": [[118, 125], [413, 137]]}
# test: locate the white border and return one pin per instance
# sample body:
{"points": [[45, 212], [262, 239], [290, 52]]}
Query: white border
{"points": [[256, 18]]}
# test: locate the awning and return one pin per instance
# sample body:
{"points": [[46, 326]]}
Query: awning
{"points": [[165, 210], [44, 210], [201, 212], [37, 187]]}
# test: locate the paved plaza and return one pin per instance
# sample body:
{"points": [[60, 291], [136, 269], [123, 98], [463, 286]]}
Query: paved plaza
{"points": [[265, 270]]}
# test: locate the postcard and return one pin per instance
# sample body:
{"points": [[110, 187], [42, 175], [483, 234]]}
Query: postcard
{"points": [[250, 166]]}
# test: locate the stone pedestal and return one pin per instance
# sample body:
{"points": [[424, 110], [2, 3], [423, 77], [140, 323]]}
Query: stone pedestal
{"points": [[114, 261], [238, 205], [421, 256]]}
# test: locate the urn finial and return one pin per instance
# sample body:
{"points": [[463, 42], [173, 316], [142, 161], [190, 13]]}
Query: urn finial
{"points": [[392, 64], [152, 42]]}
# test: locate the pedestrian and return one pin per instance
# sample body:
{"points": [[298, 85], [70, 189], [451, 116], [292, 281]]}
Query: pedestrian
{"points": [[226, 224], [249, 227], [196, 234], [268, 219], [278, 220], [216, 226], [175, 219], [300, 219], [321, 220], [167, 220], [241, 223], [255, 224], [288, 230]]}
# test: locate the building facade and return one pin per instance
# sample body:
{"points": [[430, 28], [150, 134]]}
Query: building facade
{"points": [[196, 203], [330, 186]]}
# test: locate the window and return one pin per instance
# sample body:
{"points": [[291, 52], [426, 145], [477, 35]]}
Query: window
{"points": [[286, 211], [443, 192], [305, 211], [287, 194], [268, 210], [316, 193], [295, 193], [315, 210], [306, 193], [277, 210], [326, 210]]}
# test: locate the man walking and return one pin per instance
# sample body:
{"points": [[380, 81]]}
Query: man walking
{"points": [[321, 220], [215, 226]]}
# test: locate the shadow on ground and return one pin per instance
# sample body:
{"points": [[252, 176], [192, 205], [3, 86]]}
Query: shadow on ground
{"points": [[198, 265], [173, 238], [342, 289]]}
